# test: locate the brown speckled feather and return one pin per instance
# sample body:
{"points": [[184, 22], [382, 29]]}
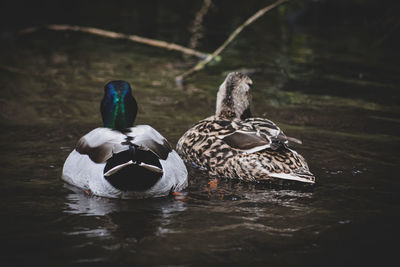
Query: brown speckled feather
{"points": [[209, 145], [250, 149]]}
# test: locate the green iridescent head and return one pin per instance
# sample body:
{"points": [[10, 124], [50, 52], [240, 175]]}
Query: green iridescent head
{"points": [[118, 107]]}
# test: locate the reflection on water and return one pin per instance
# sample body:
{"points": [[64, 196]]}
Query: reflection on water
{"points": [[324, 83], [134, 218]]}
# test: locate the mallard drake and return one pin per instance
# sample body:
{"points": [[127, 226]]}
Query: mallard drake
{"points": [[121, 161], [232, 144]]}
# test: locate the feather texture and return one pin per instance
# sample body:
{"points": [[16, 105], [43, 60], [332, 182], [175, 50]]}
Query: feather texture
{"points": [[135, 164], [251, 150], [123, 161], [231, 144]]}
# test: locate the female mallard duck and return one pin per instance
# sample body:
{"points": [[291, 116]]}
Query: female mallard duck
{"points": [[121, 161], [231, 144]]}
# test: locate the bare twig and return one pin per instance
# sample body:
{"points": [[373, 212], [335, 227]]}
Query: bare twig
{"points": [[179, 79], [117, 35], [206, 58], [197, 24]]}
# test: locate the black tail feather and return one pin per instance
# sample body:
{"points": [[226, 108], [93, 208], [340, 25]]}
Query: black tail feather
{"points": [[133, 177]]}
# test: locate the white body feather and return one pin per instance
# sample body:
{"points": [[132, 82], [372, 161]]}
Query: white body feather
{"points": [[79, 169]]}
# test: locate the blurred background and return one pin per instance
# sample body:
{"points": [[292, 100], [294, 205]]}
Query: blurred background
{"points": [[325, 71]]}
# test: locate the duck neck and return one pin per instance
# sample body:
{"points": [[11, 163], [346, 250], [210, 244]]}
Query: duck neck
{"points": [[231, 114], [230, 108], [118, 120]]}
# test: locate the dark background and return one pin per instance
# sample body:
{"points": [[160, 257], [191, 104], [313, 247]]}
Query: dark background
{"points": [[326, 72]]}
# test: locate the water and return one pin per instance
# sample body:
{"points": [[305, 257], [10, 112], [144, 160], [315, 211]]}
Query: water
{"points": [[332, 84]]}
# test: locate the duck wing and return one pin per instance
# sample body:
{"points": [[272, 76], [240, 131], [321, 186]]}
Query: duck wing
{"points": [[136, 152], [256, 134], [102, 143], [270, 128], [248, 141], [148, 139]]}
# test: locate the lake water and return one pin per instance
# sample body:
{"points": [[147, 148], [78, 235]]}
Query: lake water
{"points": [[332, 82]]}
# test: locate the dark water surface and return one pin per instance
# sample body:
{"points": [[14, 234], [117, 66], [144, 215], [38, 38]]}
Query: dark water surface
{"points": [[332, 82]]}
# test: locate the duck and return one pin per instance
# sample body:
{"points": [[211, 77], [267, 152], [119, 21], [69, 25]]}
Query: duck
{"points": [[120, 160], [233, 144]]}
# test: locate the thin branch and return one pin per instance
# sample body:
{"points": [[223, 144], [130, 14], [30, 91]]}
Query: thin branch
{"points": [[179, 79], [117, 35], [157, 43], [197, 27]]}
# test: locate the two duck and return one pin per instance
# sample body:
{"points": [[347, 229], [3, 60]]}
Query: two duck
{"points": [[120, 160]]}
